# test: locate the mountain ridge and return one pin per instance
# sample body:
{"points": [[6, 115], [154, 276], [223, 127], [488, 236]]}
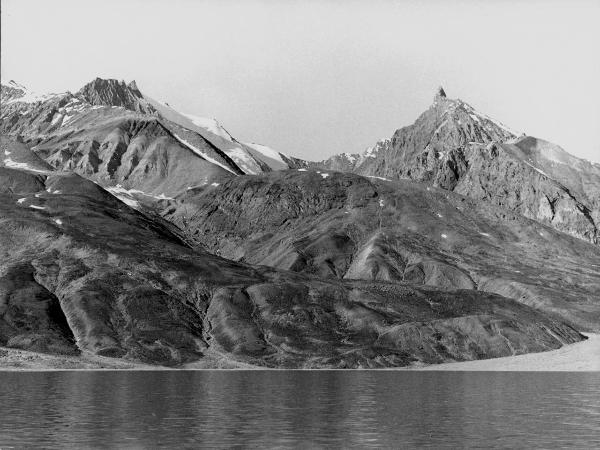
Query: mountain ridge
{"points": [[453, 146], [114, 93], [134, 231]]}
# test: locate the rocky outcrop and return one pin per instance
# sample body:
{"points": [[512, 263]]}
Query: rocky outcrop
{"points": [[31, 316]]}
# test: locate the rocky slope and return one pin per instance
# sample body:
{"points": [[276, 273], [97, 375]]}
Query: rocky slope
{"points": [[80, 270], [102, 112], [117, 215], [110, 134], [345, 226], [453, 146]]}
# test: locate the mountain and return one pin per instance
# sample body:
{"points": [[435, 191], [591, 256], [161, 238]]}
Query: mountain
{"points": [[131, 230], [109, 133], [251, 158], [455, 147], [344, 226], [82, 272], [38, 118]]}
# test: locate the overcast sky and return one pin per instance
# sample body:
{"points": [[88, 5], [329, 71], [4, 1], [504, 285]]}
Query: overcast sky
{"points": [[316, 78]]}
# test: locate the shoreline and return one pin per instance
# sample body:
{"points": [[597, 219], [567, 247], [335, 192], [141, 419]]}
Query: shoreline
{"points": [[582, 356]]}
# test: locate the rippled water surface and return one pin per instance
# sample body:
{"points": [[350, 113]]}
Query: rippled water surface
{"points": [[299, 409]]}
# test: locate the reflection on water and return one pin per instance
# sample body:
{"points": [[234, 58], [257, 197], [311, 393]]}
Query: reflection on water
{"points": [[299, 409]]}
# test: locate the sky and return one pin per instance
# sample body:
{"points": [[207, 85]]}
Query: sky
{"points": [[315, 78]]}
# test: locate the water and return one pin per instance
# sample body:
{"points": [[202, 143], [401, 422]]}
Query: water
{"points": [[359, 409]]}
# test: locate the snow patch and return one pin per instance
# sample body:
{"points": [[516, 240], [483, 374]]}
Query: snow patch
{"points": [[214, 184], [350, 157], [17, 165], [301, 170], [267, 151], [211, 125], [21, 200], [445, 236], [243, 160], [378, 178], [485, 234], [202, 154], [370, 152], [37, 207], [324, 175], [56, 118], [536, 169], [120, 190], [58, 221], [32, 97]]}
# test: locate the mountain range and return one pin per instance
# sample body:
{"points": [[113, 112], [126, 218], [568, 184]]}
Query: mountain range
{"points": [[132, 230]]}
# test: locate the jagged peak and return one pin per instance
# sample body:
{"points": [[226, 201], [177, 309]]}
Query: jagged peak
{"points": [[133, 86], [112, 92], [440, 93], [104, 84]]}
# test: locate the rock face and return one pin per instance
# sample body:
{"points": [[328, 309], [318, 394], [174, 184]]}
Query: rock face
{"points": [[440, 94], [32, 318], [115, 93], [344, 226], [454, 147], [82, 271]]}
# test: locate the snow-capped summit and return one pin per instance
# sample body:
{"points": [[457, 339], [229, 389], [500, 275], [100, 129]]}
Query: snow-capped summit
{"points": [[113, 93], [13, 92], [250, 158]]}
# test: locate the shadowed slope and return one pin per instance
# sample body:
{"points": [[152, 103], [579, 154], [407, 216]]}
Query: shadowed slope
{"points": [[346, 226], [128, 287]]}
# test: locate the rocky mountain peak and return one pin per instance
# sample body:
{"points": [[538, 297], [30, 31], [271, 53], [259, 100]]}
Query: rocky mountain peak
{"points": [[440, 93], [111, 92], [133, 86]]}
